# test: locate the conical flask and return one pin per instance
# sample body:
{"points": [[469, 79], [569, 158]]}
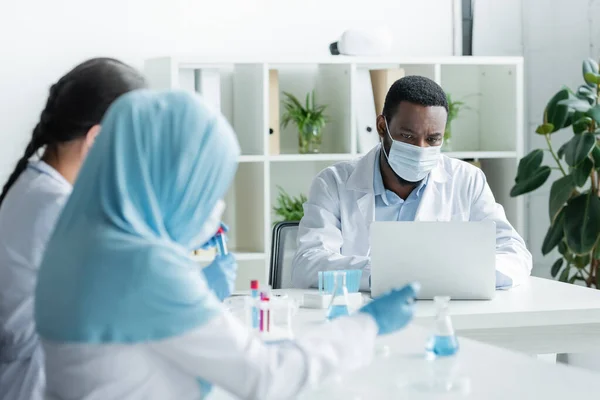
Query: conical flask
{"points": [[443, 341]]}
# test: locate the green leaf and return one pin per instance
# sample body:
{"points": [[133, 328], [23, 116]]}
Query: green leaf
{"points": [[561, 150], [564, 277], [589, 66], [555, 113], [582, 227], [591, 78], [575, 104], [578, 148], [532, 182], [581, 173], [556, 267], [555, 234], [585, 92], [530, 174], [545, 129], [594, 112], [576, 278], [582, 124], [560, 192], [596, 156], [582, 261]]}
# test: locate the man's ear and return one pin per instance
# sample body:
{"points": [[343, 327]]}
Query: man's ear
{"points": [[381, 127]]}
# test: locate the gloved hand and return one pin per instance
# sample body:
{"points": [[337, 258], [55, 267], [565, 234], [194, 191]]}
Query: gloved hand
{"points": [[220, 275], [205, 388], [212, 242], [393, 310]]}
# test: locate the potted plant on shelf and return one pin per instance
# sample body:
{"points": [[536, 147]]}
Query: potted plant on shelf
{"points": [[454, 107], [309, 119], [289, 208], [574, 204]]}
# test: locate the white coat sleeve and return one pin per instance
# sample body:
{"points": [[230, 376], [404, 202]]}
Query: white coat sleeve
{"points": [[512, 257], [320, 237], [225, 353]]}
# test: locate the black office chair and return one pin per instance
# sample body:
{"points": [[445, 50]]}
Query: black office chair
{"points": [[283, 248]]}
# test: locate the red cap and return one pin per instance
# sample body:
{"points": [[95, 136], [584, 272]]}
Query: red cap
{"points": [[254, 285], [220, 231]]}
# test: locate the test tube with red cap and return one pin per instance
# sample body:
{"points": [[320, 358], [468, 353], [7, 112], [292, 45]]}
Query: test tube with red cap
{"points": [[221, 245], [254, 294]]}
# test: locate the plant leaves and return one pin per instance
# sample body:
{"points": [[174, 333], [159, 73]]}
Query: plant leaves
{"points": [[556, 267], [585, 92], [597, 252], [590, 78], [582, 226], [576, 104], [565, 274], [532, 182], [582, 261], [578, 148], [555, 234], [530, 173], [560, 192], [581, 173], [582, 125], [561, 150], [594, 113], [545, 129], [596, 157], [589, 66], [555, 113]]}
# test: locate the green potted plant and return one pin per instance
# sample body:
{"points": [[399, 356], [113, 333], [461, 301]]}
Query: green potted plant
{"points": [[454, 107], [289, 208], [308, 118], [574, 204]]}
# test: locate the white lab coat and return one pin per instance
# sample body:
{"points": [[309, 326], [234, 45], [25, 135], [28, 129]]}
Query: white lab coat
{"points": [[334, 232], [27, 218], [223, 352]]}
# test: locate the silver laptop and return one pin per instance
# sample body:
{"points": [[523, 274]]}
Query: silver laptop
{"points": [[455, 259]]}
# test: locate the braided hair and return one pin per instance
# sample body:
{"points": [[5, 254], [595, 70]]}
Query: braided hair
{"points": [[75, 104]]}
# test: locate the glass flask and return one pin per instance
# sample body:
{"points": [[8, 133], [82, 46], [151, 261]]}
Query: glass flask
{"points": [[443, 341], [338, 306]]}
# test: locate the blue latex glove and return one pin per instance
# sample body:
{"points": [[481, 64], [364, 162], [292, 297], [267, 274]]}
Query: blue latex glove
{"points": [[393, 310], [205, 388], [212, 242], [221, 274]]}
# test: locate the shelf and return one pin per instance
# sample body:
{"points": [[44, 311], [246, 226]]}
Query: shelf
{"points": [[480, 154], [313, 157], [191, 61], [251, 158], [241, 256]]}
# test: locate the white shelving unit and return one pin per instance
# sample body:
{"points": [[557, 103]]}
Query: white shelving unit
{"points": [[491, 132]]}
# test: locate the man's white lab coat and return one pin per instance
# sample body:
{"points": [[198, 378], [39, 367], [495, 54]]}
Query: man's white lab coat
{"points": [[334, 232]]}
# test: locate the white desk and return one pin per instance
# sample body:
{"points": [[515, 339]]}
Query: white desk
{"points": [[539, 317], [479, 371]]}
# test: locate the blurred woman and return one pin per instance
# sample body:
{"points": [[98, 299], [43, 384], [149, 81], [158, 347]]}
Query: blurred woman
{"points": [[121, 308], [32, 200]]}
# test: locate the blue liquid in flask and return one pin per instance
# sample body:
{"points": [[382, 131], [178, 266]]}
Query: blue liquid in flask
{"points": [[443, 341], [337, 311], [442, 346]]}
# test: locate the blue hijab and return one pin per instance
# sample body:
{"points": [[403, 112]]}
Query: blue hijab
{"points": [[117, 268]]}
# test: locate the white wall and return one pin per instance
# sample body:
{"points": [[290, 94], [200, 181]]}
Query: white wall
{"points": [[40, 39]]}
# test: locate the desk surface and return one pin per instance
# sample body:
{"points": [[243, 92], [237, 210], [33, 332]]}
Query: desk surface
{"points": [[540, 316], [479, 371]]}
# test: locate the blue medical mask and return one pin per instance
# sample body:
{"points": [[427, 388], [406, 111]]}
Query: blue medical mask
{"points": [[409, 162]]}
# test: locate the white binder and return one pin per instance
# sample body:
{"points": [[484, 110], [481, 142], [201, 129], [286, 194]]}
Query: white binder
{"points": [[366, 117]]}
